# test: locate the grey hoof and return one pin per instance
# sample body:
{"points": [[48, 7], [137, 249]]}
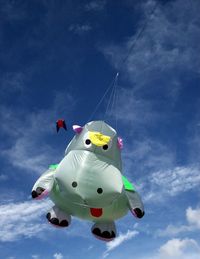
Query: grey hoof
{"points": [[55, 221], [105, 235], [138, 213], [36, 193]]}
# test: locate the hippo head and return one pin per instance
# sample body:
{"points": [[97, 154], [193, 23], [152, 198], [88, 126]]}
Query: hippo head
{"points": [[90, 172], [97, 137]]}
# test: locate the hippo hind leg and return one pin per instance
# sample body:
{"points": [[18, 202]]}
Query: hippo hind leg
{"points": [[105, 231], [58, 218]]}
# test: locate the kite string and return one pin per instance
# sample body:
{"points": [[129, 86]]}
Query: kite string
{"points": [[114, 83], [112, 96], [138, 36], [114, 106], [101, 100]]}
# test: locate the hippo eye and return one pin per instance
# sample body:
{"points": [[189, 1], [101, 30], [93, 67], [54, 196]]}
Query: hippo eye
{"points": [[100, 190], [105, 147], [88, 143]]}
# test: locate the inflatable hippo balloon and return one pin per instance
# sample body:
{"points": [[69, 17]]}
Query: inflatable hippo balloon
{"points": [[88, 182]]}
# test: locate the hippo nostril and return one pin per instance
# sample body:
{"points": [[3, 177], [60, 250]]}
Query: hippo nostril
{"points": [[99, 190], [74, 184]]}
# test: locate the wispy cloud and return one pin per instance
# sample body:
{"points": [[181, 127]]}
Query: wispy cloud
{"points": [[172, 182], [193, 219], [164, 53], [155, 68], [179, 248], [176, 248], [168, 42], [22, 219], [97, 5], [23, 155], [80, 29], [119, 240], [30, 128]]}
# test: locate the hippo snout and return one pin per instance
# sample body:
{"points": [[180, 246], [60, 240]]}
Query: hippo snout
{"points": [[99, 195], [86, 177]]}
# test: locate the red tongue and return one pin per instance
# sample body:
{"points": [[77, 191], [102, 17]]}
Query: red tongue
{"points": [[96, 212]]}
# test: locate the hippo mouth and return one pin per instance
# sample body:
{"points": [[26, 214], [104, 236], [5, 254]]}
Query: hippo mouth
{"points": [[96, 212]]}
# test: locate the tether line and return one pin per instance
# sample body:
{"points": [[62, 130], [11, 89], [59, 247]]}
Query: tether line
{"points": [[114, 83]]}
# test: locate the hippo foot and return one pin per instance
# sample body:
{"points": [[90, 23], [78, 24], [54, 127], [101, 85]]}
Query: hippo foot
{"points": [[104, 231], [39, 193], [138, 213], [56, 222], [58, 218]]}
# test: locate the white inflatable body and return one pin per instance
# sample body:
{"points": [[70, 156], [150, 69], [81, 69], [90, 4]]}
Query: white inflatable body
{"points": [[88, 182]]}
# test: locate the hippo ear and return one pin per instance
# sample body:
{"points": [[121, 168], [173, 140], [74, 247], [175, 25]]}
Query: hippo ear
{"points": [[119, 143], [77, 128]]}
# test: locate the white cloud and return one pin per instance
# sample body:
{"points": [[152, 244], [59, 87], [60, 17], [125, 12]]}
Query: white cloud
{"points": [[22, 219], [172, 182], [27, 219], [80, 29], [23, 155], [193, 216], [119, 240], [97, 5], [172, 230], [179, 179], [193, 219], [179, 249], [58, 256], [35, 256], [169, 41], [166, 50], [158, 178]]}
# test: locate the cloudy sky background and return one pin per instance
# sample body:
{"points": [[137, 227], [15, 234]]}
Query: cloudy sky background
{"points": [[57, 59]]}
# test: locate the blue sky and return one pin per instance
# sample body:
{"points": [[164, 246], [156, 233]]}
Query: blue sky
{"points": [[57, 59]]}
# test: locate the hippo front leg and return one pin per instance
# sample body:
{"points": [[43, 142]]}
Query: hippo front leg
{"points": [[135, 203], [43, 185]]}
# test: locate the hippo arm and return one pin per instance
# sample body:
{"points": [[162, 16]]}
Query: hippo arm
{"points": [[44, 184], [135, 203]]}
